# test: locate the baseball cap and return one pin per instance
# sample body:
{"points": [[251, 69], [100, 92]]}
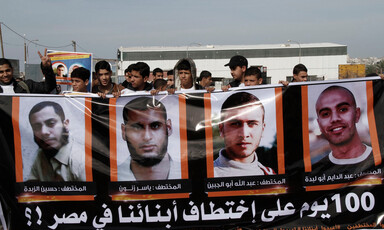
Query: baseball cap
{"points": [[237, 60]]}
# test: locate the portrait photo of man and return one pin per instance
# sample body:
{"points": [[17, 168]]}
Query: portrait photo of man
{"points": [[242, 127], [341, 125], [146, 133], [55, 155]]}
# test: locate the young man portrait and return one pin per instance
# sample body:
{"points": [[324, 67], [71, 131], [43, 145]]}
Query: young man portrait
{"points": [[146, 129], [242, 124], [337, 117], [59, 157]]}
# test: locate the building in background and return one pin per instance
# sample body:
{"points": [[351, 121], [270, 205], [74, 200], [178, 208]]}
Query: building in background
{"points": [[321, 59]]}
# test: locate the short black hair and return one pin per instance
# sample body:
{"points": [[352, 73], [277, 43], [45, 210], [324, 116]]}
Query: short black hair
{"points": [[159, 83], [4, 61], [239, 100], [102, 65], [253, 71], [157, 70], [184, 65], [170, 72], [39, 106], [59, 66], [143, 104], [81, 73], [298, 68], [143, 68], [204, 74], [129, 69]]}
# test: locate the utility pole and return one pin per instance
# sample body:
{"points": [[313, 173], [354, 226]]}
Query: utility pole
{"points": [[74, 45], [25, 51], [1, 41]]}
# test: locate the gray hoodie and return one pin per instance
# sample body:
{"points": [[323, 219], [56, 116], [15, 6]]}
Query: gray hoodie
{"points": [[176, 72]]}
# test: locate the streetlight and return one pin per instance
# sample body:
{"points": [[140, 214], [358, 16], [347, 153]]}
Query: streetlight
{"points": [[299, 48], [35, 40], [190, 44]]}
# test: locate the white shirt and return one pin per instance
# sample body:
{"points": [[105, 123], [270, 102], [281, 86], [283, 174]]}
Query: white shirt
{"points": [[224, 167], [8, 89]]}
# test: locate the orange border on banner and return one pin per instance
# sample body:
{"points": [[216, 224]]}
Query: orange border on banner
{"points": [[112, 139], [279, 130], [366, 181], [33, 198], [17, 139], [88, 138], [248, 192], [208, 134], [149, 196], [304, 118], [183, 136], [372, 124]]}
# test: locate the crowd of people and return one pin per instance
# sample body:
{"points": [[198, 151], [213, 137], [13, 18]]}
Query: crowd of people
{"points": [[182, 78]]}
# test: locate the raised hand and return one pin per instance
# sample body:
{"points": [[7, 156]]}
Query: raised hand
{"points": [[45, 60]]}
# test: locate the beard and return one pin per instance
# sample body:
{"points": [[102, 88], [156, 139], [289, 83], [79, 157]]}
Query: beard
{"points": [[148, 161]]}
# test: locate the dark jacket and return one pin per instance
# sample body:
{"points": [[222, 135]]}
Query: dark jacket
{"points": [[37, 87], [147, 87], [126, 84], [235, 83]]}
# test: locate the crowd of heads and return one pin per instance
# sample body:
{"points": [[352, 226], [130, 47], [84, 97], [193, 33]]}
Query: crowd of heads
{"points": [[138, 76]]}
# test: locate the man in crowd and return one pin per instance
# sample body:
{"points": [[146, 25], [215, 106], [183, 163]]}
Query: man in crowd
{"points": [[205, 79], [238, 65], [185, 75], [128, 76], [104, 75], [242, 125], [139, 77], [146, 130], [337, 116], [80, 79], [9, 85], [157, 74], [253, 77], [59, 157], [300, 73], [170, 79]]}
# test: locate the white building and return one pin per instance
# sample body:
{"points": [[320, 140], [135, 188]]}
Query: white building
{"points": [[321, 59]]}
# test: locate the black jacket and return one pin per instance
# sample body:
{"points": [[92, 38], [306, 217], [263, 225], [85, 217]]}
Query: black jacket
{"points": [[234, 83], [37, 87], [147, 87]]}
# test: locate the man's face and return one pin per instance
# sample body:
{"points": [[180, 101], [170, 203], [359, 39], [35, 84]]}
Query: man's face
{"points": [[206, 81], [137, 81], [301, 76], [146, 133], [104, 77], [60, 71], [158, 75], [128, 76], [337, 116], [242, 130], [78, 85], [6, 74], [252, 80], [185, 77], [237, 72], [170, 80], [48, 129]]}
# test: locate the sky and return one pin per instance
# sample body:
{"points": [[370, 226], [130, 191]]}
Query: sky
{"points": [[101, 27]]}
